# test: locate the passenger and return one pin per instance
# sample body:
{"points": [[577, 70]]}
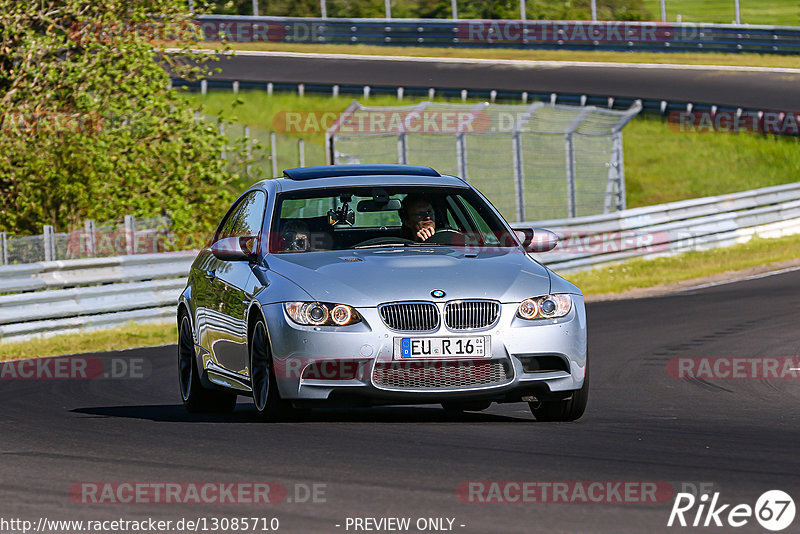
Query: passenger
{"points": [[418, 218]]}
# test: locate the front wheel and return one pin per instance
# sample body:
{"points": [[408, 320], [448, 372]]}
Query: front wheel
{"points": [[266, 399], [563, 410], [196, 398]]}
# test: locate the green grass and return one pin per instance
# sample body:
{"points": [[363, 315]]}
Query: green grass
{"points": [[126, 337], [688, 58], [661, 164], [771, 12], [641, 273]]}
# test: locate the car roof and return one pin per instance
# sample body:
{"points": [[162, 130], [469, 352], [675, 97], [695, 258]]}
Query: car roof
{"points": [[331, 176]]}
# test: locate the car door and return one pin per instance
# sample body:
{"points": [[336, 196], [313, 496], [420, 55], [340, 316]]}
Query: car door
{"points": [[231, 287]]}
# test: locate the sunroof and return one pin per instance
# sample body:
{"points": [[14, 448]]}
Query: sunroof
{"points": [[334, 171]]}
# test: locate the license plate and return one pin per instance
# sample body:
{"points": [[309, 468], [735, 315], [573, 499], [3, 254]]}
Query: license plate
{"points": [[441, 347]]}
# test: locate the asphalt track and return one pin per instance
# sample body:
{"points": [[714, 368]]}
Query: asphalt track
{"points": [[750, 88], [641, 425]]}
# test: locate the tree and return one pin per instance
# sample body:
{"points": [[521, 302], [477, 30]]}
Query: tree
{"points": [[90, 128]]}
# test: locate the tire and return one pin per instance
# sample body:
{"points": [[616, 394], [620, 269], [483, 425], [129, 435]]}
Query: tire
{"points": [[266, 398], [474, 406], [196, 398], [569, 409]]}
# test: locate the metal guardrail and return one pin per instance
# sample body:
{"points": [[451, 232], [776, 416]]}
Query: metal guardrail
{"points": [[665, 229], [75, 295], [541, 34]]}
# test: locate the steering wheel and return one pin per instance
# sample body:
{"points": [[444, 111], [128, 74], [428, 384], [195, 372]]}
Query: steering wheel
{"points": [[382, 240], [445, 236]]}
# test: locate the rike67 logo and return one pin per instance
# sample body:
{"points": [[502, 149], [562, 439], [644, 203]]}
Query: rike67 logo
{"points": [[774, 510]]}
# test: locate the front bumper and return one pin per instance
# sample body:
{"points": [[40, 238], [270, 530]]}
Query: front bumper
{"points": [[357, 361]]}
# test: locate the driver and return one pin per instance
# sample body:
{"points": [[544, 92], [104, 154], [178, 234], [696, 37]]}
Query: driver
{"points": [[295, 236], [418, 217]]}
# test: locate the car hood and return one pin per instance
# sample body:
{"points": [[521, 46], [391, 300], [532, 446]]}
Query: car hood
{"points": [[366, 278]]}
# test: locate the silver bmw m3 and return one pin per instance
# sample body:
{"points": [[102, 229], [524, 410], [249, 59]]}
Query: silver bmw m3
{"points": [[361, 285]]}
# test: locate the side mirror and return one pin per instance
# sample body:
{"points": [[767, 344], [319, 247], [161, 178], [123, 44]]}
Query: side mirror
{"points": [[537, 239], [235, 248]]}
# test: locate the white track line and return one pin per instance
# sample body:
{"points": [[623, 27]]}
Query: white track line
{"points": [[509, 62], [742, 279]]}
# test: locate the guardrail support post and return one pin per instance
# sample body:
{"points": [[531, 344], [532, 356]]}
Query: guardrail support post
{"points": [[4, 246], [273, 153], [49, 243], [323, 9], [255, 8], [88, 233], [454, 9], [203, 87], [235, 87], [130, 235]]}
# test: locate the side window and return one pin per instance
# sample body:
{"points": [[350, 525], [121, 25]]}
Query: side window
{"points": [[246, 217], [483, 227], [250, 215]]}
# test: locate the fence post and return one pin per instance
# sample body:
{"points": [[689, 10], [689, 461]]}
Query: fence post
{"points": [[519, 177], [461, 154], [454, 9], [569, 148], [323, 9], [130, 235], [49, 243], [273, 153], [255, 8], [301, 150], [4, 246], [88, 233], [387, 5], [248, 152], [224, 154], [620, 168], [402, 148]]}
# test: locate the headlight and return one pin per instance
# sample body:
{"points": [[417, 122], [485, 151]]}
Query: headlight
{"points": [[321, 313], [546, 307]]}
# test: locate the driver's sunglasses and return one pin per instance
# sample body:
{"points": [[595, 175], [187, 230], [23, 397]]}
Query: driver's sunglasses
{"points": [[423, 214]]}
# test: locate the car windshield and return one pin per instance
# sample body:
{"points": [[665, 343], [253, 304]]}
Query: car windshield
{"points": [[378, 217]]}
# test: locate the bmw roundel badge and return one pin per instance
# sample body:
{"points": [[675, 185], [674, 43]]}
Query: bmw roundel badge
{"points": [[438, 293]]}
